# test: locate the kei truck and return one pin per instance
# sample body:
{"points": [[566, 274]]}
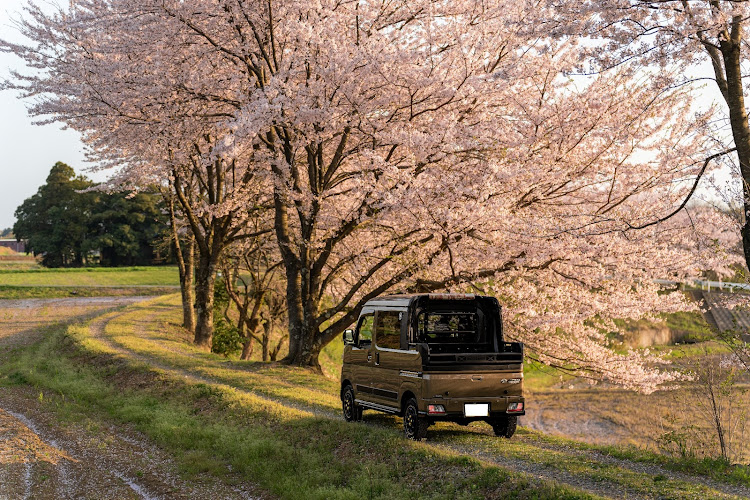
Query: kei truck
{"points": [[433, 357]]}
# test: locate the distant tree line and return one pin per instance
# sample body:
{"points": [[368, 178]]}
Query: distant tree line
{"points": [[71, 225]]}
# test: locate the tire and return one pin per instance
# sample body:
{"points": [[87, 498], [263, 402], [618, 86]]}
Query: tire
{"points": [[415, 427], [352, 411], [505, 426]]}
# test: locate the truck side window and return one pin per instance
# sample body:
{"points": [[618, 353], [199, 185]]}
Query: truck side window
{"points": [[388, 330], [365, 328]]}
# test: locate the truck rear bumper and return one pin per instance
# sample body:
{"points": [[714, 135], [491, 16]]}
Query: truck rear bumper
{"points": [[455, 407]]}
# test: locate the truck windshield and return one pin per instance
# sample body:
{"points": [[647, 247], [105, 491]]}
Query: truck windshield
{"points": [[450, 328]]}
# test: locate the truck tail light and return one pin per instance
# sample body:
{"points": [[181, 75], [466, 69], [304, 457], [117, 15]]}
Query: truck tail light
{"points": [[435, 409], [515, 407]]}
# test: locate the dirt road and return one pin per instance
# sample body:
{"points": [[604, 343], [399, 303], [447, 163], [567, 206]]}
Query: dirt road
{"points": [[43, 457]]}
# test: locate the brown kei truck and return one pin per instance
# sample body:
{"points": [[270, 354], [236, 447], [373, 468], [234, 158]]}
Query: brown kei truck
{"points": [[433, 357]]}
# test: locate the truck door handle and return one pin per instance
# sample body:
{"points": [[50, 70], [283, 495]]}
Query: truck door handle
{"points": [[377, 358]]}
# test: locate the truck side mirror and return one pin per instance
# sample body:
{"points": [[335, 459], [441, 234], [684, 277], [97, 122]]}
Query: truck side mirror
{"points": [[348, 336]]}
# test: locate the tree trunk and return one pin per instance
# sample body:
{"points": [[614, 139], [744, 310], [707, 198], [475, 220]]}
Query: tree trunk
{"points": [[295, 314], [185, 255], [735, 98], [309, 351], [247, 348], [304, 343], [266, 341], [187, 273], [304, 347], [204, 300]]}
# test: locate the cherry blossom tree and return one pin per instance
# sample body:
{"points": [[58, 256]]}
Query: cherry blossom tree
{"points": [[403, 146], [670, 39], [142, 116]]}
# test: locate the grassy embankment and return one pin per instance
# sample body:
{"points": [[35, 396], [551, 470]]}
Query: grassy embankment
{"points": [[40, 282], [257, 419]]}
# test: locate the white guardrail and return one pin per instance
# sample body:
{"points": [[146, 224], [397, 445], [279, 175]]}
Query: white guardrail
{"points": [[708, 285]]}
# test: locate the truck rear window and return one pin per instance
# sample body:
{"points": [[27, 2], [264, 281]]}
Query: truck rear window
{"points": [[450, 328]]}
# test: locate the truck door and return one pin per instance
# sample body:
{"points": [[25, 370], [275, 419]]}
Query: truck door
{"points": [[387, 357], [362, 357]]}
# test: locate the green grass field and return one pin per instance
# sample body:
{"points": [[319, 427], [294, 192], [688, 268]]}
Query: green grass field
{"points": [[91, 277], [57, 292]]}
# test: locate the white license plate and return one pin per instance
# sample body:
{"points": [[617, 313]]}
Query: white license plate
{"points": [[477, 409]]}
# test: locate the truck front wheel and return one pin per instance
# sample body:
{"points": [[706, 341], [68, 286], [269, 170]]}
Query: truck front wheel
{"points": [[352, 411], [504, 426], [414, 427]]}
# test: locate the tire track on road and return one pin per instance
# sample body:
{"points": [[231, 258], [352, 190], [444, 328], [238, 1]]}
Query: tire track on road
{"points": [[40, 458]]}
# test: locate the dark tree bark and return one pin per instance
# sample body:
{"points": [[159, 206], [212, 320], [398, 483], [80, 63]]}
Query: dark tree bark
{"points": [[212, 234], [205, 283], [247, 349], [187, 278], [184, 248], [726, 58]]}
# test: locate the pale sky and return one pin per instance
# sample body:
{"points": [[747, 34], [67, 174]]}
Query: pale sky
{"points": [[27, 151]]}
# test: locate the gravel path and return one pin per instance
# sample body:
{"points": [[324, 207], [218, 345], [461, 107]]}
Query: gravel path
{"points": [[40, 459], [604, 489], [24, 321], [723, 490], [644, 468], [44, 458]]}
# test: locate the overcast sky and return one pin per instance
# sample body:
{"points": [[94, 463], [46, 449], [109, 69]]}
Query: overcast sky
{"points": [[27, 151]]}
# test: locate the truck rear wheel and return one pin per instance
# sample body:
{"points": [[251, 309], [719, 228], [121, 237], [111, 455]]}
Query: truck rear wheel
{"points": [[352, 411], [504, 426], [414, 427]]}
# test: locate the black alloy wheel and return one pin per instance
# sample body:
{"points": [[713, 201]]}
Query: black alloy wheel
{"points": [[352, 411], [414, 427]]}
